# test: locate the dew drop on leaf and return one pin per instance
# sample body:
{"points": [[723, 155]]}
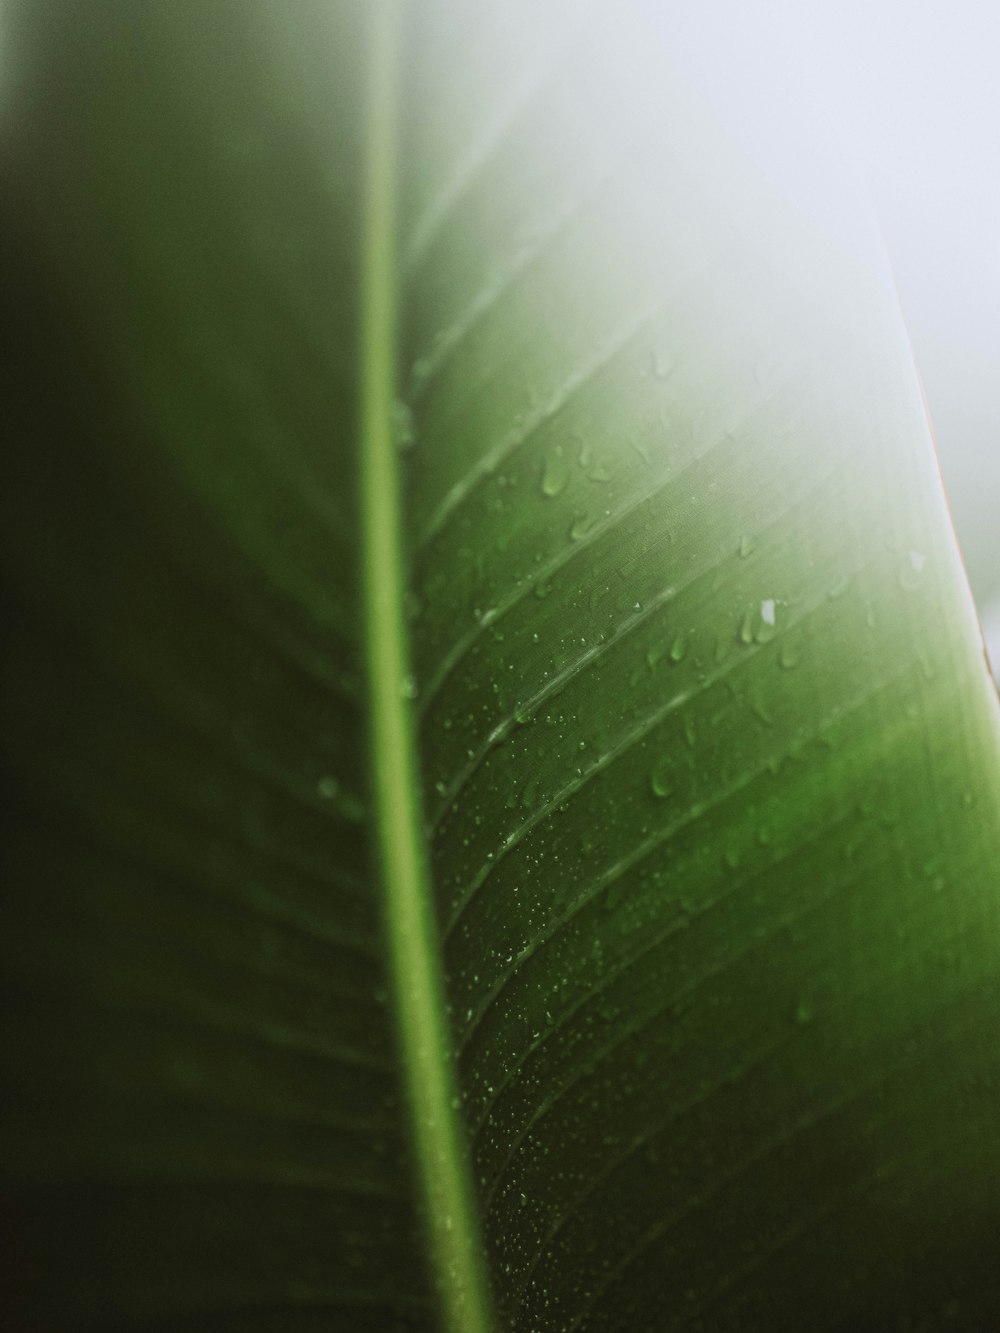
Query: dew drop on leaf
{"points": [[555, 474], [661, 363], [419, 371], [580, 526], [660, 782], [614, 894], [402, 425], [760, 711], [911, 568], [789, 656], [346, 803], [767, 620]]}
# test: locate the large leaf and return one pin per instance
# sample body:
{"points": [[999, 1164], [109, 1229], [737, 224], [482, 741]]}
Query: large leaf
{"points": [[504, 780]]}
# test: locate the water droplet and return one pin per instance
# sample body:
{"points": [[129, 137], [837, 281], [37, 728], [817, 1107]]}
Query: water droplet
{"points": [[911, 568], [402, 425], [661, 363], [746, 627], [600, 474], [679, 647], [660, 781], [746, 546], [555, 474], [522, 714], [789, 657], [581, 525], [761, 712], [347, 805], [766, 618], [614, 894]]}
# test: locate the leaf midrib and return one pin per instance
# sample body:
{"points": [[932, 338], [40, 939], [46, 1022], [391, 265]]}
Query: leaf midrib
{"points": [[415, 975]]}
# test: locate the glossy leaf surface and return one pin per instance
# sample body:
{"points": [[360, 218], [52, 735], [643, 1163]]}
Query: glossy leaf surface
{"points": [[708, 755]]}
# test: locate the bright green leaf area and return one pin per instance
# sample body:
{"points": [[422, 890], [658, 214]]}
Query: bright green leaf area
{"points": [[503, 817]]}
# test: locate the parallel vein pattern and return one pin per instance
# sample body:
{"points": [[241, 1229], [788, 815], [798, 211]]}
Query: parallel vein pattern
{"points": [[201, 1125], [708, 805]]}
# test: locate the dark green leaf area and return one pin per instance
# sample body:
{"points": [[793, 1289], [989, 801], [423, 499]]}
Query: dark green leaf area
{"points": [[203, 1125]]}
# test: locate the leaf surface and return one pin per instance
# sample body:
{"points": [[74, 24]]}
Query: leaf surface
{"points": [[697, 745]]}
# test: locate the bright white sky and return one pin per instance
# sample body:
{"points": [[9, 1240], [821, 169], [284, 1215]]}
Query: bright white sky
{"points": [[911, 90]]}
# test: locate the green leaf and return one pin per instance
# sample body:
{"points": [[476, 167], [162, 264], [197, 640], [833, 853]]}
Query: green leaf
{"points": [[503, 821]]}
